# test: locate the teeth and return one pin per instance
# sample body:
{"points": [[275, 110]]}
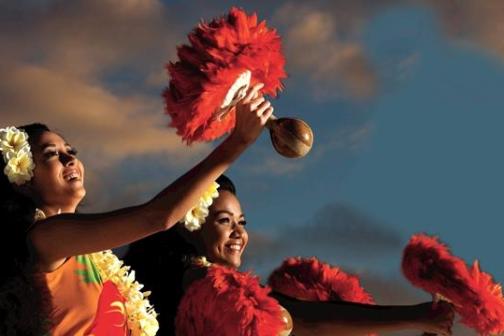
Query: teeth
{"points": [[235, 247], [72, 176]]}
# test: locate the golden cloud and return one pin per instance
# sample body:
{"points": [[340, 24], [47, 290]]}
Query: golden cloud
{"points": [[89, 37], [55, 69], [87, 114]]}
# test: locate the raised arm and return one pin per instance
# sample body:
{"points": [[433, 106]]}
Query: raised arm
{"points": [[349, 319], [59, 237]]}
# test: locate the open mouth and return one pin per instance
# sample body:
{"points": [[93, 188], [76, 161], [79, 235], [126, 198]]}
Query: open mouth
{"points": [[234, 248], [72, 176]]}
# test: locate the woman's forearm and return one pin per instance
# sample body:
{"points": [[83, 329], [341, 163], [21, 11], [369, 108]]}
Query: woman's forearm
{"points": [[172, 203], [345, 318], [65, 235], [59, 237]]}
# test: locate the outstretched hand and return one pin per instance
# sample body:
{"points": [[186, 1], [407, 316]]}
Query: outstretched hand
{"points": [[437, 318], [252, 113]]}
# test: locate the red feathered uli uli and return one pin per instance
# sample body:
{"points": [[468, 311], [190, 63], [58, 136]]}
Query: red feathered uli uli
{"points": [[313, 280], [217, 53], [429, 264]]}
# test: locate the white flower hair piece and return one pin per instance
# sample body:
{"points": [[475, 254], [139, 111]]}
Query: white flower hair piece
{"points": [[196, 216], [17, 155]]}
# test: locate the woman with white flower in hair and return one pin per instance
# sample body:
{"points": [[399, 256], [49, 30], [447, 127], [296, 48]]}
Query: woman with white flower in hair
{"points": [[198, 290], [57, 273]]}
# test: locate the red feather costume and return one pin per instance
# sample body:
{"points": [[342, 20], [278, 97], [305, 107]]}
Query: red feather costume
{"points": [[312, 280], [227, 302], [428, 264], [218, 53]]}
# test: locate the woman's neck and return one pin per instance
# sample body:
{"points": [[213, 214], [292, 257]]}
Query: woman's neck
{"points": [[56, 210]]}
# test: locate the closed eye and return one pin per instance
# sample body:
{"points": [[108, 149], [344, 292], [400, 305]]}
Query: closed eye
{"points": [[52, 153], [72, 151]]}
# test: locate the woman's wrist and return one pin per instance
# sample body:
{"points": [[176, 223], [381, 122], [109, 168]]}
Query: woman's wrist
{"points": [[240, 139], [234, 145]]}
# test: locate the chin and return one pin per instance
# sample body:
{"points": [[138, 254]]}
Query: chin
{"points": [[82, 193], [234, 263], [229, 263]]}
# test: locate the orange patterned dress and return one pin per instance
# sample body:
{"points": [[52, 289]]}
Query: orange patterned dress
{"points": [[82, 305]]}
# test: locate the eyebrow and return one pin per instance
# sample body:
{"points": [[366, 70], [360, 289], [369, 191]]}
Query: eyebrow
{"points": [[228, 212]]}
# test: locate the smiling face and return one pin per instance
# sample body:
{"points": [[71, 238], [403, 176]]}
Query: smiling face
{"points": [[58, 181], [223, 235]]}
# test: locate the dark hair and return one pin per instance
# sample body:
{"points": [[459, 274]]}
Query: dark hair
{"points": [[23, 297], [226, 184], [160, 261]]}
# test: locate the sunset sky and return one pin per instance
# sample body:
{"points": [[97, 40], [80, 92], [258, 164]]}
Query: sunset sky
{"points": [[405, 99]]}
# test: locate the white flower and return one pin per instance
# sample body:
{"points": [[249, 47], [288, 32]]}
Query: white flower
{"points": [[39, 215], [141, 315], [12, 140], [196, 216], [19, 167], [208, 196], [17, 155]]}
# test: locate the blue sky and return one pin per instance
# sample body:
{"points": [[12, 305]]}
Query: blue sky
{"points": [[404, 97]]}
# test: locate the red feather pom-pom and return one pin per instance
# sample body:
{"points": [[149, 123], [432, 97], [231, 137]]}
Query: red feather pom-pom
{"points": [[429, 264], [218, 53], [227, 302], [312, 280]]}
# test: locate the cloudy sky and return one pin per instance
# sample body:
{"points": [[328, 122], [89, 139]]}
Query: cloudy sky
{"points": [[405, 99]]}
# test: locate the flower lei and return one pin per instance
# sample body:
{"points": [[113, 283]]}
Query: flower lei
{"points": [[199, 261], [141, 314], [17, 155], [196, 216]]}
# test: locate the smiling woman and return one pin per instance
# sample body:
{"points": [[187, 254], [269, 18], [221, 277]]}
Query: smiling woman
{"points": [[58, 273], [59, 176], [198, 290], [223, 238], [166, 260]]}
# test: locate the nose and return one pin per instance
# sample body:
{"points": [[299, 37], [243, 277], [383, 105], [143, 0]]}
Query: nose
{"points": [[237, 231], [66, 159], [235, 234]]}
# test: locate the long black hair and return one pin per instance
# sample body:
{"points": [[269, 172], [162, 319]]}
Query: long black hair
{"points": [[24, 300], [160, 261]]}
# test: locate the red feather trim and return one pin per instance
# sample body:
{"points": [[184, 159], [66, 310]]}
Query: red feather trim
{"points": [[312, 280], [218, 53], [429, 264], [227, 302]]}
